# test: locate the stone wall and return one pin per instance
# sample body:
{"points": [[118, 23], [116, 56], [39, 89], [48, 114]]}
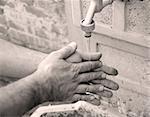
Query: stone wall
{"points": [[35, 24], [138, 16]]}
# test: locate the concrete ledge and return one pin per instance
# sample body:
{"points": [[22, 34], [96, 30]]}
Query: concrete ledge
{"points": [[79, 109]]}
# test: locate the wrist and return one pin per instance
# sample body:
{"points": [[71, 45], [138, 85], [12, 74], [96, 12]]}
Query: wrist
{"points": [[43, 88], [33, 87]]}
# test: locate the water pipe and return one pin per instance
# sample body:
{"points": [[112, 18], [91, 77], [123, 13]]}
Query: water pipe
{"points": [[88, 24]]}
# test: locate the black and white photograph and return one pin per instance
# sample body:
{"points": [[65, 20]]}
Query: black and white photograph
{"points": [[74, 58]]}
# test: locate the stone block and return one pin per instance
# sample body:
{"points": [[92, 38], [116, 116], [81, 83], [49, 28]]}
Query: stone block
{"points": [[3, 20], [28, 2], [138, 16], [35, 11], [3, 2], [3, 29], [79, 109]]}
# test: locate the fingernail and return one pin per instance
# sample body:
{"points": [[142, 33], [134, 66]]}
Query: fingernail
{"points": [[115, 72], [100, 63], [73, 45], [100, 55], [116, 87], [101, 88]]}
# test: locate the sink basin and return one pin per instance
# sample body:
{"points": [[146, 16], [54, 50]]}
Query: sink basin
{"points": [[78, 109]]}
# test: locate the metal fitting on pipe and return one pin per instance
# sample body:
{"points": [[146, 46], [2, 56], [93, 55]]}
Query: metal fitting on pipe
{"points": [[88, 25], [88, 29]]}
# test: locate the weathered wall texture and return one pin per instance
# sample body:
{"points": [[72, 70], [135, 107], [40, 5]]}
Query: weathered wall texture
{"points": [[36, 24], [133, 97], [138, 16]]}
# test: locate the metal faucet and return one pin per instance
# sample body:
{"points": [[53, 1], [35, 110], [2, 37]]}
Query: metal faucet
{"points": [[88, 24]]}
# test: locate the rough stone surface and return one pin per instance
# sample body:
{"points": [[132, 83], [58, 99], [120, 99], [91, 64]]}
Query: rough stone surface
{"points": [[78, 109], [36, 24], [128, 100], [138, 16], [133, 97]]}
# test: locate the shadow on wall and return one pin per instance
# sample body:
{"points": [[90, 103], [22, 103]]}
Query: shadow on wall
{"points": [[35, 24]]}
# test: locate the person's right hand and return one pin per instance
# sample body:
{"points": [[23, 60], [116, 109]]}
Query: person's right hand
{"points": [[78, 57], [59, 80], [106, 84]]}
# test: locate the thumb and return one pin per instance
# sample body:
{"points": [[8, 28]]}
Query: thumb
{"points": [[67, 51]]}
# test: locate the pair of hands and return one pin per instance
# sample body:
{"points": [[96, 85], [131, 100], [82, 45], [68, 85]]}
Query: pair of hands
{"points": [[67, 75]]}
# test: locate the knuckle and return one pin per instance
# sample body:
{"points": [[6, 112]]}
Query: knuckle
{"points": [[100, 88], [87, 89], [103, 75], [74, 69], [54, 53], [92, 88], [85, 98], [94, 75], [78, 89], [92, 98], [82, 88], [76, 97], [95, 64], [99, 74], [91, 76], [91, 65]]}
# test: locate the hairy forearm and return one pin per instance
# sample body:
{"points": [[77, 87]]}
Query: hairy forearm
{"points": [[19, 97], [17, 61]]}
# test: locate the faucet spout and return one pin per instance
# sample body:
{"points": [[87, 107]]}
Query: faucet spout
{"points": [[91, 11], [87, 24], [95, 6]]}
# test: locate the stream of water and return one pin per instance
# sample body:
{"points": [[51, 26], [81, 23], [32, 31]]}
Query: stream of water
{"points": [[87, 44]]}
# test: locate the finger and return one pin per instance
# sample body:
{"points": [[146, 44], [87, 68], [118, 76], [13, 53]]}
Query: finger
{"points": [[89, 88], [67, 51], [86, 77], [75, 58], [107, 83], [107, 2], [108, 70], [106, 93], [94, 101], [91, 56], [88, 66], [88, 98]]}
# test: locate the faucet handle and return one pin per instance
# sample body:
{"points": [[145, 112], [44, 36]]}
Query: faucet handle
{"points": [[107, 2], [100, 4], [88, 25]]}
